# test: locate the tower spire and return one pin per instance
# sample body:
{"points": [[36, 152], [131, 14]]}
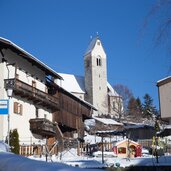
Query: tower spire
{"points": [[97, 34]]}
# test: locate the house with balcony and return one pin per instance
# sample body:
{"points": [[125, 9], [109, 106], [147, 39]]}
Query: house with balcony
{"points": [[36, 99]]}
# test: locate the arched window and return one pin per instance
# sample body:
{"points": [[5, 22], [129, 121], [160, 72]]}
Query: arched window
{"points": [[99, 61]]}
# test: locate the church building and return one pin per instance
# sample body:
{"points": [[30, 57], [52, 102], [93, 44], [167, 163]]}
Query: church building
{"points": [[93, 87]]}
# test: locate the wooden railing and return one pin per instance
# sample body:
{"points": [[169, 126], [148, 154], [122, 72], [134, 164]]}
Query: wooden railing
{"points": [[31, 93]]}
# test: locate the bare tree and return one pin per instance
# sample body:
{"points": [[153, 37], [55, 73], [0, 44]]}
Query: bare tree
{"points": [[125, 93], [160, 16]]}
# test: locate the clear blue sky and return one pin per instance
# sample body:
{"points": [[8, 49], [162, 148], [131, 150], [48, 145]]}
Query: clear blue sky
{"points": [[58, 32]]}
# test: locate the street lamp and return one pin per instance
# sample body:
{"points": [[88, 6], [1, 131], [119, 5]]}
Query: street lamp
{"points": [[9, 94], [9, 84]]}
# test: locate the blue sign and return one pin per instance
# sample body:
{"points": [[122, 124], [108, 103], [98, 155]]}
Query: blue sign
{"points": [[4, 107]]}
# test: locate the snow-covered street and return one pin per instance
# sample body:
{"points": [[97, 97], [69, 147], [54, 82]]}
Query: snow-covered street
{"points": [[12, 162], [70, 158]]}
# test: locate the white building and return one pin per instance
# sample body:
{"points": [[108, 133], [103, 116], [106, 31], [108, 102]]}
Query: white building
{"points": [[31, 97], [94, 87], [164, 89]]}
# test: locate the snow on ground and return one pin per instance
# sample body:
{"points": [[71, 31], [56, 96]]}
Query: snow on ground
{"points": [[12, 162], [140, 161], [70, 158], [65, 160], [4, 147]]}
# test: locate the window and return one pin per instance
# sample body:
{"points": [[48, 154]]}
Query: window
{"points": [[98, 61], [121, 150], [18, 108]]}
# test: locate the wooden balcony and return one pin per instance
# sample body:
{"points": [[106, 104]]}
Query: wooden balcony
{"points": [[35, 95], [42, 127]]}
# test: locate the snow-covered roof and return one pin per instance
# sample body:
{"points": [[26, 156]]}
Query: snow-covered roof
{"points": [[107, 121], [164, 81], [72, 83], [167, 127], [125, 140], [76, 84], [112, 92], [7, 43]]}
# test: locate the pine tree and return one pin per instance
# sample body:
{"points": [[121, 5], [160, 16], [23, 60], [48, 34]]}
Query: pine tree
{"points": [[14, 141], [139, 106], [148, 108], [132, 106], [134, 110]]}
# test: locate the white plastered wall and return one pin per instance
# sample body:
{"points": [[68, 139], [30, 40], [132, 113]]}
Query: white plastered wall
{"points": [[27, 73], [99, 73], [165, 100]]}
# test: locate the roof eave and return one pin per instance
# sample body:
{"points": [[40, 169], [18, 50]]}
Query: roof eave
{"points": [[4, 43]]}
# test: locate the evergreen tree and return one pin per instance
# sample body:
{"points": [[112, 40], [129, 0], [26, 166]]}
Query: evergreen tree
{"points": [[134, 110], [14, 141], [148, 108], [132, 106], [139, 106]]}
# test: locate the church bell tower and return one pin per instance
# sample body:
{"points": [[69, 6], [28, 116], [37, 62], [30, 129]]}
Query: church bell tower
{"points": [[96, 76]]}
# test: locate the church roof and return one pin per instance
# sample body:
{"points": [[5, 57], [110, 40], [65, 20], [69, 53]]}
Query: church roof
{"points": [[91, 45], [111, 92], [72, 83], [75, 84]]}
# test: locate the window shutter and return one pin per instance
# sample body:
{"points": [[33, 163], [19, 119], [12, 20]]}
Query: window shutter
{"points": [[15, 107], [21, 109]]}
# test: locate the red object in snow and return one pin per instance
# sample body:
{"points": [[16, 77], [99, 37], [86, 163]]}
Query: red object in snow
{"points": [[138, 152], [115, 150]]}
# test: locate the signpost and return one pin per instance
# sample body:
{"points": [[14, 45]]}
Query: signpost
{"points": [[4, 107], [4, 110]]}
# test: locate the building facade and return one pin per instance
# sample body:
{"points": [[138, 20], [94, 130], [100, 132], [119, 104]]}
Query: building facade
{"points": [[35, 94], [164, 87], [26, 76]]}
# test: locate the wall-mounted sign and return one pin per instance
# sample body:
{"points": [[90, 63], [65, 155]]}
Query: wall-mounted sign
{"points": [[4, 107]]}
